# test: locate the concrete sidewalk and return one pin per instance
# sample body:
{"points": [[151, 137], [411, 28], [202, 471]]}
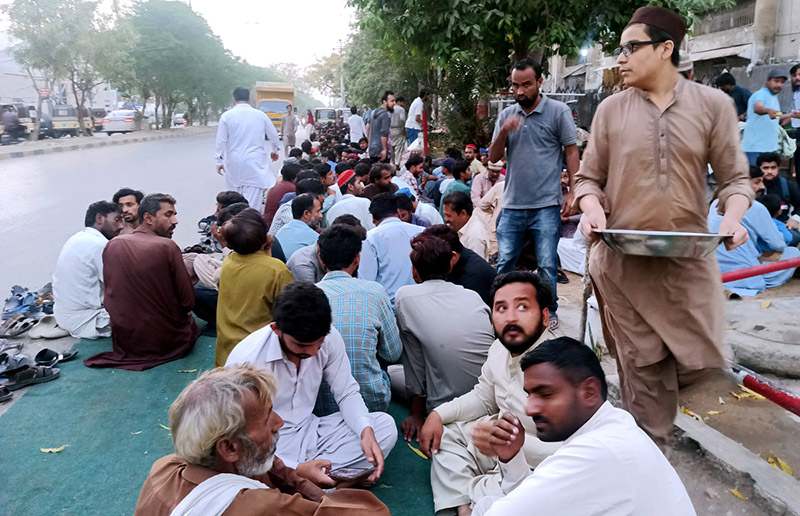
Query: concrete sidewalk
{"points": [[50, 146]]}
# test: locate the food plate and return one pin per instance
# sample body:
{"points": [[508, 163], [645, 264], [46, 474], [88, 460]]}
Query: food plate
{"points": [[661, 243]]}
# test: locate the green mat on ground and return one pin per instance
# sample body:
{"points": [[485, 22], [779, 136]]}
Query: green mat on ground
{"points": [[110, 421]]}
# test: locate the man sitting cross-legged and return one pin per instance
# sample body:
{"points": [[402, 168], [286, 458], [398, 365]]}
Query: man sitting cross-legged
{"points": [[363, 315], [385, 259], [306, 210], [249, 282], [148, 293], [78, 279], [225, 432], [442, 357], [302, 334], [607, 466], [456, 434]]}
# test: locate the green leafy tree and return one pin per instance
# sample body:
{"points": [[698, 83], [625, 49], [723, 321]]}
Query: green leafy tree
{"points": [[482, 37], [41, 47]]}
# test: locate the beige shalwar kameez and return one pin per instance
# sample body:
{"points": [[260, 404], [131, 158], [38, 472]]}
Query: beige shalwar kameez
{"points": [[662, 318], [460, 474]]}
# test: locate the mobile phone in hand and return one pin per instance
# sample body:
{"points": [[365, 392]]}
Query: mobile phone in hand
{"points": [[350, 474]]}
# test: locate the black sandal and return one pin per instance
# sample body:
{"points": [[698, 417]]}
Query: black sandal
{"points": [[29, 375]]}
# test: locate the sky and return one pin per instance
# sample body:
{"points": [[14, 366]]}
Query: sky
{"points": [[266, 32]]}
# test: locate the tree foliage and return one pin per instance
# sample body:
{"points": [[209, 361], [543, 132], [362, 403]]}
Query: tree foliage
{"points": [[473, 42]]}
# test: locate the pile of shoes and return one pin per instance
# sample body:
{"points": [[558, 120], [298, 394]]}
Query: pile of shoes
{"points": [[26, 310], [18, 370]]}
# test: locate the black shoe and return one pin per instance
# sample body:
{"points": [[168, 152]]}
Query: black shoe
{"points": [[562, 278]]}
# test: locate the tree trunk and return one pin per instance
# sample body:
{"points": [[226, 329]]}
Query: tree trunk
{"points": [[78, 105], [155, 113]]}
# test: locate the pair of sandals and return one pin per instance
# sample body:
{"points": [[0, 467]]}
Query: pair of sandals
{"points": [[18, 371]]}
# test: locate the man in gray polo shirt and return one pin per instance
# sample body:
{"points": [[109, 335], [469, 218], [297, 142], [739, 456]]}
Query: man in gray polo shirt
{"points": [[378, 129], [532, 133]]}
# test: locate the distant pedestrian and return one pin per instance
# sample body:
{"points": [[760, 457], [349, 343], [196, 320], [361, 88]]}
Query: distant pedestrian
{"points": [[241, 149], [356, 123], [532, 133], [378, 125], [794, 75], [414, 120], [397, 132], [764, 116], [740, 95], [288, 129]]}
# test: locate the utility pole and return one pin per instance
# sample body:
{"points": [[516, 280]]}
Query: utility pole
{"points": [[341, 75]]}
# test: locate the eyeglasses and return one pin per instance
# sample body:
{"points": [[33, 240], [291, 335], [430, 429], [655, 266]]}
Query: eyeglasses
{"points": [[631, 46]]}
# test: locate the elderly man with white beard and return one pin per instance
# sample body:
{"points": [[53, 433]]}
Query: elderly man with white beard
{"points": [[225, 435]]}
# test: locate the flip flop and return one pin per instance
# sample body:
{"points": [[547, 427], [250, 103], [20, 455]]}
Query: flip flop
{"points": [[5, 394], [49, 358], [29, 375], [47, 328]]}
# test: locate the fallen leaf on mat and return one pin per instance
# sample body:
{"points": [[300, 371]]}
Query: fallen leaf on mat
{"points": [[738, 396], [737, 494], [165, 427], [751, 393], [53, 450], [721, 401], [713, 412], [765, 304], [690, 413], [780, 464], [417, 451], [187, 370], [136, 433]]}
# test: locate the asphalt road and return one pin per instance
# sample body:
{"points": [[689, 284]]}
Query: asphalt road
{"points": [[43, 199]]}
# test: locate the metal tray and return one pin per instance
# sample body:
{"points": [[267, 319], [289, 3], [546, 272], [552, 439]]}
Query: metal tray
{"points": [[661, 243]]}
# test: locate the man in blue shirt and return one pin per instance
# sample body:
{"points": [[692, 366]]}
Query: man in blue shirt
{"points": [[533, 133], [307, 212], [764, 238], [388, 263], [763, 117], [794, 75], [740, 95]]}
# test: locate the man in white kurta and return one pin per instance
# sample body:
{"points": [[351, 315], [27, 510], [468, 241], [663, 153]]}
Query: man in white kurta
{"points": [[244, 137], [304, 436], [607, 466], [78, 278]]}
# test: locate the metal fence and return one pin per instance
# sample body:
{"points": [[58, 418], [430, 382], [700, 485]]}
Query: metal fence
{"points": [[716, 20]]}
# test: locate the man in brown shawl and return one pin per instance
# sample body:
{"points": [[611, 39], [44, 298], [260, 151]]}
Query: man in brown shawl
{"points": [[644, 169], [148, 293]]}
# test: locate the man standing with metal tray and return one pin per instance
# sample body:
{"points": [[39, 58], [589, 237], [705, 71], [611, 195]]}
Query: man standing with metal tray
{"points": [[644, 169]]}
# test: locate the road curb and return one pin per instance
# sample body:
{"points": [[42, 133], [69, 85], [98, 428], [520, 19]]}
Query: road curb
{"points": [[773, 491], [101, 143]]}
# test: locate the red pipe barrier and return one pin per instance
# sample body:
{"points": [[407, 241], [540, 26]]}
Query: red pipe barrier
{"points": [[758, 270], [752, 381]]}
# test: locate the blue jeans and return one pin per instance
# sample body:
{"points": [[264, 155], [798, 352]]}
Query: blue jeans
{"points": [[412, 134], [544, 227]]}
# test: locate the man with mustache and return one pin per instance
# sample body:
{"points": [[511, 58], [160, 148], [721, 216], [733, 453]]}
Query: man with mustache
{"points": [[608, 466], [533, 134], [225, 432], [129, 200], [301, 348], [149, 295], [456, 434]]}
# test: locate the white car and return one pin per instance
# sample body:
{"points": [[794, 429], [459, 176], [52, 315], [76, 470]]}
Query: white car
{"points": [[120, 121]]}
